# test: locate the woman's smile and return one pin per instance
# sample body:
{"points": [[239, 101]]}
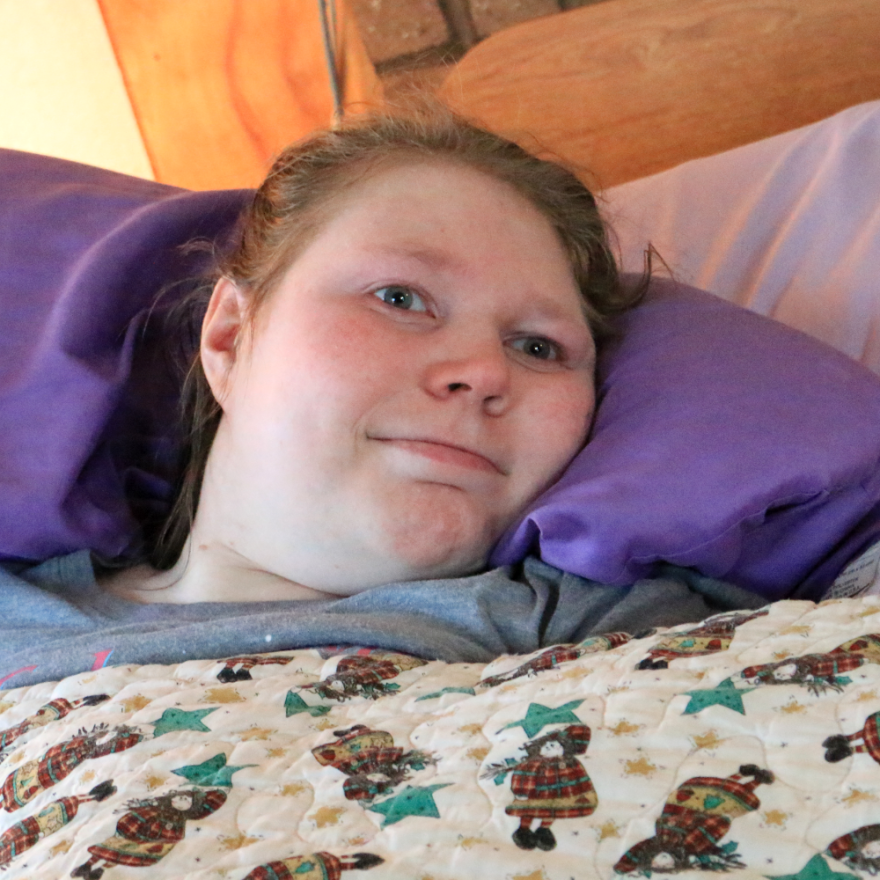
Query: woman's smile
{"points": [[446, 453]]}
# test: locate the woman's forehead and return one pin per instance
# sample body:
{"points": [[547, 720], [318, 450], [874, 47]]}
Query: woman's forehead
{"points": [[404, 204], [420, 175], [440, 216]]}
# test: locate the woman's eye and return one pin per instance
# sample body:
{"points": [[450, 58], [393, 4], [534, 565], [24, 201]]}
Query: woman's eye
{"points": [[401, 298], [538, 347]]}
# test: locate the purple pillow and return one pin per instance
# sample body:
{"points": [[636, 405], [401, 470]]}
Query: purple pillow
{"points": [[87, 406], [723, 441]]}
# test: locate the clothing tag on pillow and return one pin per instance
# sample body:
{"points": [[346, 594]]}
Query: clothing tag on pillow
{"points": [[859, 577]]}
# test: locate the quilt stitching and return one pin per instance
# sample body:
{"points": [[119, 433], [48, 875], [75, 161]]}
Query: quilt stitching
{"points": [[748, 744]]}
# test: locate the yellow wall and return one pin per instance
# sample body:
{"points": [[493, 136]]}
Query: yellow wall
{"points": [[196, 93], [62, 92]]}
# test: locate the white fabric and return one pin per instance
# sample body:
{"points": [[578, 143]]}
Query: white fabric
{"points": [[733, 719], [788, 226]]}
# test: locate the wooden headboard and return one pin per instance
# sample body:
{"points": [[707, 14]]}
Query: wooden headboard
{"points": [[627, 88]]}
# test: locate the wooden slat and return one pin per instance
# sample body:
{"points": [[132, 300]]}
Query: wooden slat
{"points": [[626, 88], [219, 86]]}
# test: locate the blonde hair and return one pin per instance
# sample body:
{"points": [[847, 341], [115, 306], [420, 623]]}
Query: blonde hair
{"points": [[300, 194]]}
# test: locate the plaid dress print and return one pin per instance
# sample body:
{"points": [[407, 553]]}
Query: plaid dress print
{"points": [[689, 830], [25, 783], [146, 834], [52, 711], [687, 822], [871, 736], [707, 638], [317, 866], [809, 667], [848, 847], [868, 646], [548, 659], [23, 835], [551, 788]]}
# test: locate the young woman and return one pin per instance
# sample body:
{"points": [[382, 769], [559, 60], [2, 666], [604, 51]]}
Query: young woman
{"points": [[395, 360]]}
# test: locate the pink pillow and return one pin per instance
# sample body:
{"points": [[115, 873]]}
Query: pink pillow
{"points": [[788, 226]]}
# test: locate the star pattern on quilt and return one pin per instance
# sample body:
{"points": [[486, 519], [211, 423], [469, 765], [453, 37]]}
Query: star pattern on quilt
{"points": [[608, 829], [793, 707], [239, 841], [325, 817], [856, 796], [223, 695], [725, 694], [447, 690], [774, 817], [257, 734], [538, 717], [815, 869], [62, 847], [135, 703], [639, 767], [212, 772], [173, 720], [412, 801], [624, 728], [294, 704], [708, 740]]}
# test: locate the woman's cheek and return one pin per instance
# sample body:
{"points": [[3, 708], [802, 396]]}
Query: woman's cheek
{"points": [[359, 349], [566, 419]]}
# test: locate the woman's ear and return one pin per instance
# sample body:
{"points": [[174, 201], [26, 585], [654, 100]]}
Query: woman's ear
{"points": [[221, 331]]}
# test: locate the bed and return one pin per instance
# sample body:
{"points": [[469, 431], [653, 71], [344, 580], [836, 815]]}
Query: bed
{"points": [[747, 743]]}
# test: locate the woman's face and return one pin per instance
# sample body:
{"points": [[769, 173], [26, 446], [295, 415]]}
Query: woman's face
{"points": [[423, 371]]}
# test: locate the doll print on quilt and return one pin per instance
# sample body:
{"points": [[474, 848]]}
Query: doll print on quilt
{"points": [[747, 743]]}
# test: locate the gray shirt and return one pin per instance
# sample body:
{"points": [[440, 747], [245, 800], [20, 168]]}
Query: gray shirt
{"points": [[57, 621]]}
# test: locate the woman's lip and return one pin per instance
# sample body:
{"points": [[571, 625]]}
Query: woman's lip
{"points": [[445, 453]]}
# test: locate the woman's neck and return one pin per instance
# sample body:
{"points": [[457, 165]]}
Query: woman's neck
{"points": [[206, 572]]}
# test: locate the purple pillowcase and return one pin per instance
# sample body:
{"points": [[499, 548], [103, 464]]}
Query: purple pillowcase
{"points": [[722, 440], [86, 407]]}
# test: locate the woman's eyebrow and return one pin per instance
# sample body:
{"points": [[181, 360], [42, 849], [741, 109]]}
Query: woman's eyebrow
{"points": [[543, 307], [435, 258]]}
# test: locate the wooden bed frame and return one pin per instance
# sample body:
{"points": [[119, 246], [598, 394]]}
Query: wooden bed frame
{"points": [[623, 88], [627, 88]]}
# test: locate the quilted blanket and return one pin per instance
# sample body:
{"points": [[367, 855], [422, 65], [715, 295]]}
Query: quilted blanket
{"points": [[747, 744]]}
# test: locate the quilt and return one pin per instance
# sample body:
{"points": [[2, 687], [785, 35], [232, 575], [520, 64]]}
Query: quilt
{"points": [[748, 744]]}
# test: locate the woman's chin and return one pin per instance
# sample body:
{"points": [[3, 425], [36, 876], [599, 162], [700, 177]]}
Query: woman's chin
{"points": [[439, 540]]}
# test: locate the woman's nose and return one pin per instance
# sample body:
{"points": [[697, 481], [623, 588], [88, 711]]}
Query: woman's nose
{"points": [[479, 371]]}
